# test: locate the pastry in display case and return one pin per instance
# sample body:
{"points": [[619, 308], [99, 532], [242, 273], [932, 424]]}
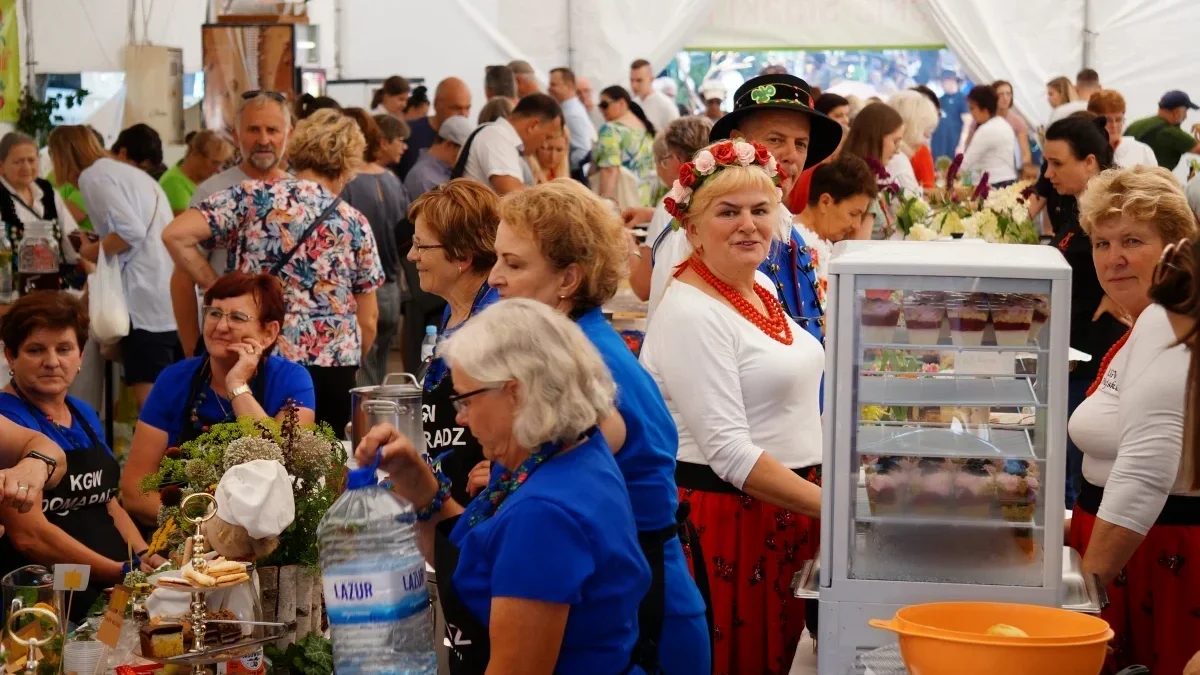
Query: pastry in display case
{"points": [[945, 427]]}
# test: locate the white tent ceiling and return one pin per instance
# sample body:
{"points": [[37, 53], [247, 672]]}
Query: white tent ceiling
{"points": [[1140, 47]]}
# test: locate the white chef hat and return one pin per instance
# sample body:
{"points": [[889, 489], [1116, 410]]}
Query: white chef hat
{"points": [[257, 495]]}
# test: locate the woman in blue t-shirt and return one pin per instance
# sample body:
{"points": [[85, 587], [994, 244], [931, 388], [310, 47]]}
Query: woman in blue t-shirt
{"points": [[544, 567], [80, 520], [236, 377], [561, 245]]}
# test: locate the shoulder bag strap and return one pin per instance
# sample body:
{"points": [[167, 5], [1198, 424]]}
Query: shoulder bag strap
{"points": [[278, 266], [460, 166]]}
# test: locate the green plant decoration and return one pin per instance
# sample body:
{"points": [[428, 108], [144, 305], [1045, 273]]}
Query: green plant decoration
{"points": [[37, 118]]}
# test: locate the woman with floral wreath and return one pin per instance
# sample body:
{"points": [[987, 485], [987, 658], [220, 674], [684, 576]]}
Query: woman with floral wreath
{"points": [[742, 381]]}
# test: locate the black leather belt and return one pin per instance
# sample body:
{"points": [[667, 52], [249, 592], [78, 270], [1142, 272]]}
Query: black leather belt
{"points": [[1179, 509]]}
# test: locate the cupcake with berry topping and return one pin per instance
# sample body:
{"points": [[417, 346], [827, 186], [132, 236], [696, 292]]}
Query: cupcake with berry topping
{"points": [[887, 483], [1017, 490], [975, 489], [931, 487], [968, 315]]}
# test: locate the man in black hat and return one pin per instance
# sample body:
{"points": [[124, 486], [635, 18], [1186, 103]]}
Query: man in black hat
{"points": [[1163, 133], [777, 111]]}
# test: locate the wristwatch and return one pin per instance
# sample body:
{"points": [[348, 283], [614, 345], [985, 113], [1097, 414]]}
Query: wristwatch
{"points": [[51, 463], [244, 389]]}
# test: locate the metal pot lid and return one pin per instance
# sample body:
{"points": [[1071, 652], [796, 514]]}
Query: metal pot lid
{"points": [[393, 384]]}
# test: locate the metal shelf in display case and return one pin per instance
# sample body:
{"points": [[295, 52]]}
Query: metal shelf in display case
{"points": [[917, 389], [973, 510]]}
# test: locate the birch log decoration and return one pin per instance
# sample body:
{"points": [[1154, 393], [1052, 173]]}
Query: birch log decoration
{"points": [[268, 579], [304, 584], [317, 613], [286, 607]]}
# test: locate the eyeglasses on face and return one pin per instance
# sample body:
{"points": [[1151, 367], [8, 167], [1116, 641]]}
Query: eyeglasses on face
{"points": [[461, 402], [253, 93], [421, 248], [604, 104], [215, 315]]}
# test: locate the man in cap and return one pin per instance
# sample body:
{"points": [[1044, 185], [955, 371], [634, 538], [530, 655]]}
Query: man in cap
{"points": [[713, 93], [1163, 133], [776, 111], [435, 163]]}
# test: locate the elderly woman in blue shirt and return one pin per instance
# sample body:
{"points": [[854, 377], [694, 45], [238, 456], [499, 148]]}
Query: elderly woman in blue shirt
{"points": [[561, 245], [543, 572]]}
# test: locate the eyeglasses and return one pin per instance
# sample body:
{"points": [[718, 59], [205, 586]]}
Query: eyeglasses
{"points": [[215, 315], [604, 105], [421, 248], [254, 93], [460, 401]]}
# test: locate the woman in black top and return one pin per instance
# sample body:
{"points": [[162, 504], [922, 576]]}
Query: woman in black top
{"points": [[1077, 149]]}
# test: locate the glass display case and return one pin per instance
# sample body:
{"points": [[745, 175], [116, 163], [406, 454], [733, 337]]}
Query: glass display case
{"points": [[945, 432]]}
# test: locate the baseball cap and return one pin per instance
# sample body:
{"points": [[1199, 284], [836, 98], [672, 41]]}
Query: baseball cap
{"points": [[712, 89], [456, 129], [1176, 99]]}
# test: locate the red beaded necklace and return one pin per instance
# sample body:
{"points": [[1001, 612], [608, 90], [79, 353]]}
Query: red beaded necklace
{"points": [[774, 323], [1104, 363]]}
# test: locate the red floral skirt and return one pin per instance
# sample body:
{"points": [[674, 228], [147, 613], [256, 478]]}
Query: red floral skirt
{"points": [[1155, 602], [752, 550]]}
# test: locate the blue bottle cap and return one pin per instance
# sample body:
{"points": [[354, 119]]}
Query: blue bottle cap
{"points": [[363, 477], [431, 330]]}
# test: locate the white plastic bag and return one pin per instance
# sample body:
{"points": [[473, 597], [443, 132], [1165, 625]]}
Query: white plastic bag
{"points": [[106, 301]]}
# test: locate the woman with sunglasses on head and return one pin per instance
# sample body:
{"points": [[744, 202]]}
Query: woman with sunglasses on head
{"points": [[238, 376], [1137, 520]]}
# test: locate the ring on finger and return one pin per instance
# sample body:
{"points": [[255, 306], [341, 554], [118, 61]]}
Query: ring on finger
{"points": [[22, 487]]}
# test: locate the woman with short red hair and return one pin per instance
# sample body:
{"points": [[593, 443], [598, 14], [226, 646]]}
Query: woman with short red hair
{"points": [[236, 377]]}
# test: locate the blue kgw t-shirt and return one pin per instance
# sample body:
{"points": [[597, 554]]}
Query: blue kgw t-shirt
{"points": [[168, 407], [566, 536]]}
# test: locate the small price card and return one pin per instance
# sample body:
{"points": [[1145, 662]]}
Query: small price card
{"points": [[114, 616], [985, 363], [71, 577]]}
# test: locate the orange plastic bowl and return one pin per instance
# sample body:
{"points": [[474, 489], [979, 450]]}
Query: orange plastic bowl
{"points": [[939, 638]]}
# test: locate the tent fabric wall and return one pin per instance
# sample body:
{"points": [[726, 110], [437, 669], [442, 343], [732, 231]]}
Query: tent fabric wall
{"points": [[1145, 49], [72, 36], [767, 24], [1027, 42]]}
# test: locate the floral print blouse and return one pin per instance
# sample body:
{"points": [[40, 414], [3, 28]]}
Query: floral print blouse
{"points": [[619, 145], [258, 222]]}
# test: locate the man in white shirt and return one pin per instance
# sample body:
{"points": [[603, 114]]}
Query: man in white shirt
{"points": [[1087, 82], [658, 108], [494, 154], [583, 134], [587, 96], [261, 130]]}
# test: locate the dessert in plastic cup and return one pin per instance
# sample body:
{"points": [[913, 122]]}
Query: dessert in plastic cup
{"points": [[968, 315], [887, 484], [880, 316], [1017, 489], [924, 312], [1012, 317], [1041, 314]]}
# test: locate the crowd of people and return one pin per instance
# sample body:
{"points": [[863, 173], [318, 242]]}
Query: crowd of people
{"points": [[655, 506]]}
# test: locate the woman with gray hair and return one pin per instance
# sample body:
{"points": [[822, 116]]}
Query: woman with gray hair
{"points": [[536, 580]]}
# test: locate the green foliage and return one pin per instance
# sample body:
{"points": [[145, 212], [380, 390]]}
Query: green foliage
{"points": [[37, 118], [311, 655], [198, 465]]}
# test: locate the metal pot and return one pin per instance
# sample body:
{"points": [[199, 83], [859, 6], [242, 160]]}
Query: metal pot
{"points": [[400, 389]]}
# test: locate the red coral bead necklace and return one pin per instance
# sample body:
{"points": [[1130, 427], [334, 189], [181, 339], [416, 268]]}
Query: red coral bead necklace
{"points": [[774, 323]]}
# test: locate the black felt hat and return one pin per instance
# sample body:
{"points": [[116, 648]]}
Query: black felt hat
{"points": [[782, 92]]}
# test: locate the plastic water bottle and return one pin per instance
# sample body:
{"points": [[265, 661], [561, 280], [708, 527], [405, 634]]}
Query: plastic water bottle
{"points": [[8, 288], [374, 581], [428, 344]]}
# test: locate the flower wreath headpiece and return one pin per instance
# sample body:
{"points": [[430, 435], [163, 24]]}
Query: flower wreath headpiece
{"points": [[708, 162]]}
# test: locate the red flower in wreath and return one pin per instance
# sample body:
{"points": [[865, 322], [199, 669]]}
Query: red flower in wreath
{"points": [[687, 175], [761, 154], [671, 207], [724, 153]]}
